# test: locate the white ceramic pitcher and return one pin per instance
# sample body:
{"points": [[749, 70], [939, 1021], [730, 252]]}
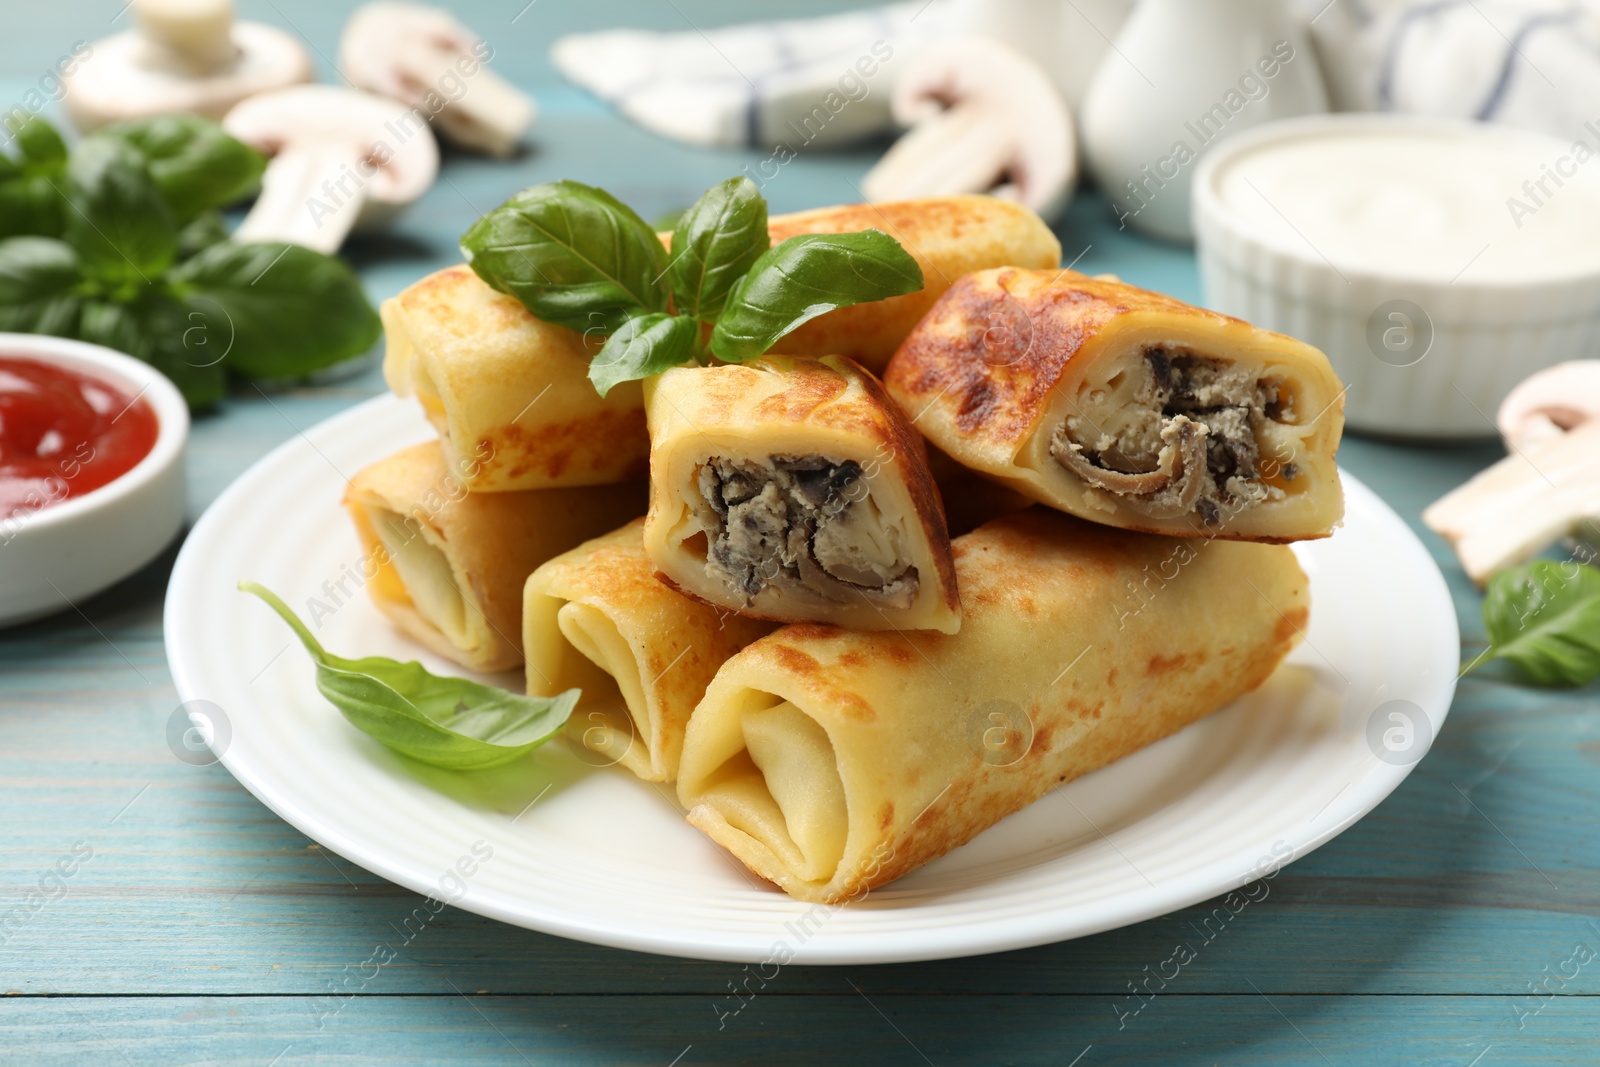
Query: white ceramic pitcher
{"points": [[1182, 75]]}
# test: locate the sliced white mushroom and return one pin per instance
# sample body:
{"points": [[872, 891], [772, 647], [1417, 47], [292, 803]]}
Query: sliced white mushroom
{"points": [[182, 57], [1525, 503], [426, 59], [1550, 402], [342, 160], [985, 119]]}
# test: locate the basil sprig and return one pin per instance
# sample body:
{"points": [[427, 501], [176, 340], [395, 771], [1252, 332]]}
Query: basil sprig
{"points": [[577, 256], [808, 276], [119, 242], [445, 722], [1545, 618]]}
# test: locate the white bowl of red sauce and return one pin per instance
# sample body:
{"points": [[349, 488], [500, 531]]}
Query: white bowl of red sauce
{"points": [[91, 471]]}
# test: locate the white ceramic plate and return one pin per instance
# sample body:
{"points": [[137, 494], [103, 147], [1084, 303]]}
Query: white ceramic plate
{"points": [[594, 854]]}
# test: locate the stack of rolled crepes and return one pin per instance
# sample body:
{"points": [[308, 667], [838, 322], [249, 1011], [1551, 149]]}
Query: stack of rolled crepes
{"points": [[839, 690]]}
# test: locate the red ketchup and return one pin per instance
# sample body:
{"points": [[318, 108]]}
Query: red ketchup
{"points": [[64, 433]]}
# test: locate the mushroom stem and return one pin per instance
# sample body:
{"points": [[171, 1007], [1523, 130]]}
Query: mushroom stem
{"points": [[311, 195], [954, 151], [489, 113], [194, 36], [1523, 504]]}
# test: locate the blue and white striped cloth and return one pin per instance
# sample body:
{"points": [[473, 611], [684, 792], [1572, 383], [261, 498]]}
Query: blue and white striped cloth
{"points": [[1528, 63], [755, 84]]}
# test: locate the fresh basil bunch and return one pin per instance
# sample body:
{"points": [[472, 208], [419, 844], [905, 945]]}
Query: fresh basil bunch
{"points": [[578, 256], [120, 242], [445, 722], [1545, 618]]}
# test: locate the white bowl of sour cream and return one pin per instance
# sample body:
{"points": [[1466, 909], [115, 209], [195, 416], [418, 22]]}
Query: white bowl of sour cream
{"points": [[1437, 262]]}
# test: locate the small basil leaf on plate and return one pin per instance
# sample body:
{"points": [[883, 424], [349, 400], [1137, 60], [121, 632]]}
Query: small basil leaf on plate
{"points": [[805, 277], [1545, 618], [116, 218], [643, 346], [195, 164], [446, 722], [570, 252], [39, 279], [714, 244], [277, 310]]}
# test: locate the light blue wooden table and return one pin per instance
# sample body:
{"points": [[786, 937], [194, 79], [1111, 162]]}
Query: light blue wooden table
{"points": [[200, 929]]}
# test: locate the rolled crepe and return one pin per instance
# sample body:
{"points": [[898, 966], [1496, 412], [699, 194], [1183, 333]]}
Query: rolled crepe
{"points": [[948, 237], [596, 618], [513, 392], [448, 566], [831, 762], [1127, 407], [793, 489], [508, 392]]}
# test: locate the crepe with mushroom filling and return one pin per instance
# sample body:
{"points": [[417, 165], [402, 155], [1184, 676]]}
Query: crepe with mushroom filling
{"points": [[831, 761], [948, 237], [448, 566], [792, 489], [1127, 407], [508, 390], [595, 618]]}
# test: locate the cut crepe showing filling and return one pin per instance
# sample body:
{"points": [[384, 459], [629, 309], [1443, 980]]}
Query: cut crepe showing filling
{"points": [[1177, 433], [804, 525], [782, 788], [425, 572]]}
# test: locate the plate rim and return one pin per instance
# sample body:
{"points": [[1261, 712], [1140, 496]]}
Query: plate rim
{"points": [[1218, 877]]}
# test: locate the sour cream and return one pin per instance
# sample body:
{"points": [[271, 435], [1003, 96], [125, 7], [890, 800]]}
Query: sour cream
{"points": [[1447, 203]]}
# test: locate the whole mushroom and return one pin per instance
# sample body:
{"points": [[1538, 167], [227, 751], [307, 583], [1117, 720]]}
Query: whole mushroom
{"points": [[182, 57], [985, 119], [423, 57], [342, 160]]}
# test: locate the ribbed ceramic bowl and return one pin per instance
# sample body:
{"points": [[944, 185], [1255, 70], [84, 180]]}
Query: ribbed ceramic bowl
{"points": [[1424, 352], [55, 556]]}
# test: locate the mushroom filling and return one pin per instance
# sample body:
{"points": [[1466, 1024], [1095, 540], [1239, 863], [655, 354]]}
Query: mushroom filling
{"points": [[1176, 434], [803, 525]]}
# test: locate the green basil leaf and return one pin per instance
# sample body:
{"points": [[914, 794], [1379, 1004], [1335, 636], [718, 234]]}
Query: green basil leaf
{"points": [[567, 251], [714, 244], [645, 345], [1545, 618], [805, 277], [202, 231], [116, 218], [278, 310], [446, 722], [39, 142], [39, 278], [32, 203], [194, 163], [161, 331]]}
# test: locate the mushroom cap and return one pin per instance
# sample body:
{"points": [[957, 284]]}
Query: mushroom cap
{"points": [[385, 134], [121, 79], [375, 33], [1550, 402], [425, 57], [1017, 126]]}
